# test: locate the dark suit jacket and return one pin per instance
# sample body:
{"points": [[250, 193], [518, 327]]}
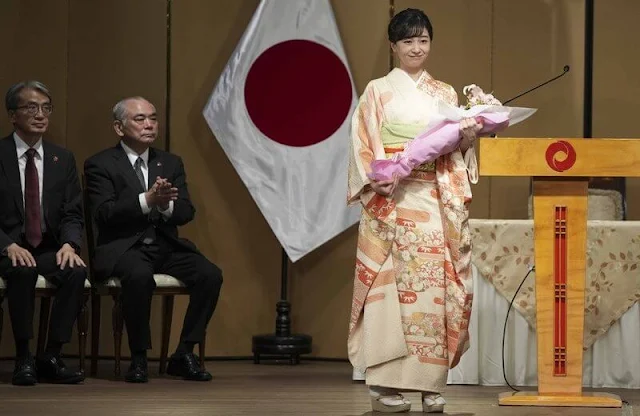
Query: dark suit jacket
{"points": [[61, 196], [114, 190]]}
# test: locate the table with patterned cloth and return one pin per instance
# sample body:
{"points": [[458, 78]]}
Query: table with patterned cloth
{"points": [[503, 252]]}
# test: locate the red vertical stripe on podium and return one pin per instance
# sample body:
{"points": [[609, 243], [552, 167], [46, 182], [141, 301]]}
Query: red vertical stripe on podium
{"points": [[560, 296]]}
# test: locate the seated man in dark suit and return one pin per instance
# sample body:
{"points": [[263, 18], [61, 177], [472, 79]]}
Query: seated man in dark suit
{"points": [[138, 196], [40, 232]]}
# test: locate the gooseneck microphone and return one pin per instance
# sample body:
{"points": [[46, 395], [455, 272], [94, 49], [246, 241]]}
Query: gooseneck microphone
{"points": [[564, 71]]}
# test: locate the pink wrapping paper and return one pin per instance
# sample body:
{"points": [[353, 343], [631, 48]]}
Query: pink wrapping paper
{"points": [[428, 146]]}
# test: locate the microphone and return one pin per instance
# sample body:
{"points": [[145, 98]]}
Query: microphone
{"points": [[564, 71]]}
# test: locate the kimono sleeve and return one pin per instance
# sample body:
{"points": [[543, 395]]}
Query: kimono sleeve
{"points": [[365, 139], [469, 156]]}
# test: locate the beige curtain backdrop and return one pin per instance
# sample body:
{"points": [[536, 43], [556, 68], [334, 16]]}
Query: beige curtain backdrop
{"points": [[92, 53]]}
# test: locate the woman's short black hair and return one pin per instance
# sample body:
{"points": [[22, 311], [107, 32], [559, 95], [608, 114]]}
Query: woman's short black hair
{"points": [[408, 24]]}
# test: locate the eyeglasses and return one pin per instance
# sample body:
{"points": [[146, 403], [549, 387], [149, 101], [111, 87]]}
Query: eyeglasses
{"points": [[32, 108]]}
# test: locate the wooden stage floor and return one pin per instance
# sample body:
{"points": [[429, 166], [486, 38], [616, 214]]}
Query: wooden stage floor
{"points": [[242, 388]]}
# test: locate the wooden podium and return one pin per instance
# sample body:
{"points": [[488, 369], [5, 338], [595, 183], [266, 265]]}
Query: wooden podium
{"points": [[560, 169]]}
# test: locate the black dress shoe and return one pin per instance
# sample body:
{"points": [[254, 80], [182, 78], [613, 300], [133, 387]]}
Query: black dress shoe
{"points": [[52, 369], [187, 367], [138, 371], [24, 373]]}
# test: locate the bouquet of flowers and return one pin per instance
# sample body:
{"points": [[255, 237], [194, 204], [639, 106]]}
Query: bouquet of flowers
{"points": [[475, 96], [442, 134]]}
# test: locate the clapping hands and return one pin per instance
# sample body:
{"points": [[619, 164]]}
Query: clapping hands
{"points": [[161, 193]]}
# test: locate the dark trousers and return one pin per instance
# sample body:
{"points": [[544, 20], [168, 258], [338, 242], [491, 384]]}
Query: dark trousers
{"points": [[21, 283], [136, 267]]}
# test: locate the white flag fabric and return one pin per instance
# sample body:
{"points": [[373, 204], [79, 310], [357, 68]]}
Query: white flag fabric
{"points": [[281, 111]]}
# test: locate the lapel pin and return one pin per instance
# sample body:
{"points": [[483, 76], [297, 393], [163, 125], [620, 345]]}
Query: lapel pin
{"points": [[159, 164], [55, 158]]}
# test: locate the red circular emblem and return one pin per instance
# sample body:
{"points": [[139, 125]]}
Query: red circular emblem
{"points": [[560, 164], [298, 93]]}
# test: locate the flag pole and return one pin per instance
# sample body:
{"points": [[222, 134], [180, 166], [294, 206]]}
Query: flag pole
{"points": [[283, 342]]}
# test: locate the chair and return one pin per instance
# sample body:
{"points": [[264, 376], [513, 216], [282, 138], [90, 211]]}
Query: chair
{"points": [[45, 290], [166, 286]]}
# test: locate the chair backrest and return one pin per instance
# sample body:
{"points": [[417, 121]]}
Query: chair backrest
{"points": [[602, 205]]}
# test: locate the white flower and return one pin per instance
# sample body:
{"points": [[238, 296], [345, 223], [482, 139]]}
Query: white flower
{"points": [[476, 96], [468, 89], [406, 256]]}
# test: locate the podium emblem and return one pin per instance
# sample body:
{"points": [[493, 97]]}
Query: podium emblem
{"points": [[556, 149]]}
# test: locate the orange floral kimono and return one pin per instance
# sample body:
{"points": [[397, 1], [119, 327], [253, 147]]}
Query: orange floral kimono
{"points": [[412, 288]]}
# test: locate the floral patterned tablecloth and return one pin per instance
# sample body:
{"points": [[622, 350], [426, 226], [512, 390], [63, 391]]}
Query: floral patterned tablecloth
{"points": [[503, 253]]}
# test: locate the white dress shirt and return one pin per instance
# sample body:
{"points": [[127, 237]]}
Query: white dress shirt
{"points": [[133, 156], [21, 153]]}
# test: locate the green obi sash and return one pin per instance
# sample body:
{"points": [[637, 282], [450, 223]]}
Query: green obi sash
{"points": [[394, 137]]}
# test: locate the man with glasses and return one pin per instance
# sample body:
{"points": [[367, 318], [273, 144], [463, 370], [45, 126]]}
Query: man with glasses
{"points": [[40, 232], [138, 196]]}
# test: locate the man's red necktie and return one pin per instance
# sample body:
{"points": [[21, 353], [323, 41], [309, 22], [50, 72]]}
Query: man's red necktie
{"points": [[32, 201]]}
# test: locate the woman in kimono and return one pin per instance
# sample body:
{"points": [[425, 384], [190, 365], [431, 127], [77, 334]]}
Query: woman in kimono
{"points": [[412, 287]]}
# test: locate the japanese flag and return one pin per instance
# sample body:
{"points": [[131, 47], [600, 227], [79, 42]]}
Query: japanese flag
{"points": [[281, 111]]}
